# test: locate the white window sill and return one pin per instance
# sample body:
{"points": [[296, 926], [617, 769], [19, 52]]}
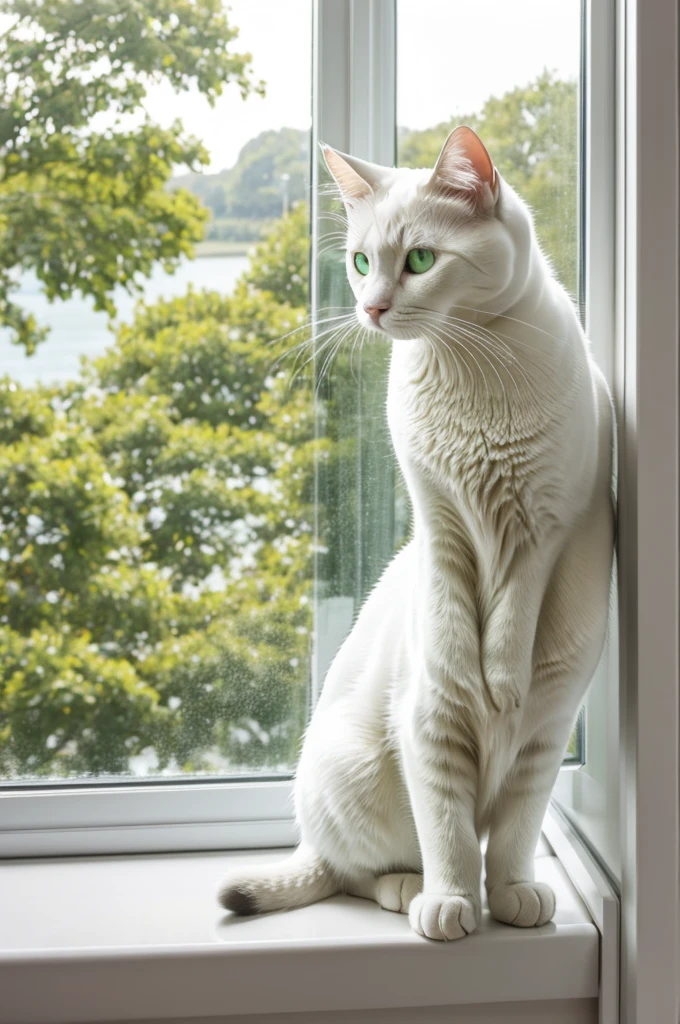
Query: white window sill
{"points": [[131, 938]]}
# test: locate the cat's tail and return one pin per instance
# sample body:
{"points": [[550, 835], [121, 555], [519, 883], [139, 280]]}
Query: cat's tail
{"points": [[301, 879]]}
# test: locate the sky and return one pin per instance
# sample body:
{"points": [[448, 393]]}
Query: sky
{"points": [[452, 55], [278, 33]]}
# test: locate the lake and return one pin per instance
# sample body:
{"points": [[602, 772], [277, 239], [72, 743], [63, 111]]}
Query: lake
{"points": [[77, 330]]}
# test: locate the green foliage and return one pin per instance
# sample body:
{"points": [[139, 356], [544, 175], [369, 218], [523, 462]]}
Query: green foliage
{"points": [[156, 523], [531, 133], [66, 707], [255, 186], [281, 265], [253, 191], [88, 209]]}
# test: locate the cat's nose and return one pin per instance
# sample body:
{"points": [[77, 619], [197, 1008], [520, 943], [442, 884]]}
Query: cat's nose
{"points": [[375, 311]]}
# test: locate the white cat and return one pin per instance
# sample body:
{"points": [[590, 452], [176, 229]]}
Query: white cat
{"points": [[446, 712]]}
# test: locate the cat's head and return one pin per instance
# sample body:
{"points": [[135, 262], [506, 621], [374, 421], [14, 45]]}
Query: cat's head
{"points": [[423, 243]]}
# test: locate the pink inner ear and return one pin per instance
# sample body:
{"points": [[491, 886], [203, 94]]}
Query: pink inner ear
{"points": [[464, 145], [351, 184], [470, 145]]}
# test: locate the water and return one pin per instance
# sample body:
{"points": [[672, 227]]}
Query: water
{"points": [[77, 330]]}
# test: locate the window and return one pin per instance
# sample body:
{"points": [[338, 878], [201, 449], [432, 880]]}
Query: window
{"points": [[96, 574], [187, 510]]}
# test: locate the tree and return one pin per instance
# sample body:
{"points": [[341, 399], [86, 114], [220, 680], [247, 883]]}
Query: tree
{"points": [[251, 193], [156, 541], [532, 135], [254, 185], [281, 266], [86, 207]]}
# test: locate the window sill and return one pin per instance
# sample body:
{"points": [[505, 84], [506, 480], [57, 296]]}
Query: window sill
{"points": [[130, 938]]}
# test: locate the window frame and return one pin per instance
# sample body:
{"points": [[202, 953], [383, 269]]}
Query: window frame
{"points": [[589, 796], [645, 306], [648, 402]]}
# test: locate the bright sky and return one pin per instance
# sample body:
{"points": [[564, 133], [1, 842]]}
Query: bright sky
{"points": [[278, 34], [453, 54]]}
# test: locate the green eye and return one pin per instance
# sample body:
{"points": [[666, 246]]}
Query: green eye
{"points": [[419, 260], [361, 262]]}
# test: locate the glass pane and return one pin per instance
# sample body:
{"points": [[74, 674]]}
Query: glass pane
{"points": [[516, 82], [363, 514], [156, 465], [362, 511]]}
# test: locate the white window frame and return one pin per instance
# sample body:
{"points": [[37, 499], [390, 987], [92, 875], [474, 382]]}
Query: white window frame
{"points": [[647, 391], [589, 795], [644, 306]]}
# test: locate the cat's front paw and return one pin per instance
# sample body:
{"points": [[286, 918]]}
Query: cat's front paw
{"points": [[524, 904], [442, 917]]}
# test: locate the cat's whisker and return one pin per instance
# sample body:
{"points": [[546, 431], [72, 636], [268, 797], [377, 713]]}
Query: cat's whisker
{"points": [[505, 316], [491, 353], [307, 343], [512, 339], [314, 336], [338, 237], [535, 366], [473, 333], [336, 218], [507, 353], [480, 341], [488, 353], [323, 250], [352, 350], [309, 325], [329, 359], [484, 332], [442, 338], [481, 349], [485, 354], [316, 352]]}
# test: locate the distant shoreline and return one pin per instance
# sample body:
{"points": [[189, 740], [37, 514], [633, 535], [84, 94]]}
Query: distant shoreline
{"points": [[215, 247]]}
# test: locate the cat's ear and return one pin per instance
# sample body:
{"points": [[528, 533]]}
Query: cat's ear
{"points": [[464, 168], [355, 178]]}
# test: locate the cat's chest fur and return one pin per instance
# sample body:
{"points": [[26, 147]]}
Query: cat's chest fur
{"points": [[489, 471]]}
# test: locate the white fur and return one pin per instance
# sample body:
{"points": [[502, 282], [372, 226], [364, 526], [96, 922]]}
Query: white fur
{"points": [[446, 712]]}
